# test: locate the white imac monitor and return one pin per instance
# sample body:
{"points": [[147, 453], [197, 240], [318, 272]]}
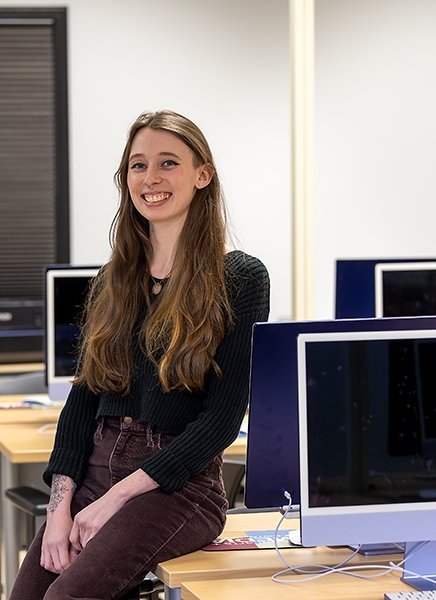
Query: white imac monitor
{"points": [[66, 288], [405, 289], [367, 431]]}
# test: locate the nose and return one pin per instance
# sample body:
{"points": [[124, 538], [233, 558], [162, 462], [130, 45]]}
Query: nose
{"points": [[151, 177]]}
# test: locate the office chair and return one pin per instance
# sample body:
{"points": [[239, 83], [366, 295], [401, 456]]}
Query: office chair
{"points": [[233, 476], [33, 503], [243, 510]]}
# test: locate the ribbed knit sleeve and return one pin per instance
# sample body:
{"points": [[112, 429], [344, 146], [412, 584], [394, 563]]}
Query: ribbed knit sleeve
{"points": [[226, 398], [74, 436]]}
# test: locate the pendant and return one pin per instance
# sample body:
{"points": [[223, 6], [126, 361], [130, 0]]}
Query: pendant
{"points": [[156, 289]]}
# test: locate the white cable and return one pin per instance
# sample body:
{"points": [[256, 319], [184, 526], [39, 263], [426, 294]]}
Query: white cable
{"points": [[316, 571], [276, 531], [302, 569], [343, 570]]}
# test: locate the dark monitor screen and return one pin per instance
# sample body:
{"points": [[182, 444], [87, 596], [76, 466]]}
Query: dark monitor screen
{"points": [[405, 289], [66, 291], [355, 296], [366, 402]]}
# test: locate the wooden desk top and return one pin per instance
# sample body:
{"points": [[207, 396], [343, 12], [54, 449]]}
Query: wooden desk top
{"points": [[331, 587], [26, 415], [202, 565], [238, 447], [22, 442]]}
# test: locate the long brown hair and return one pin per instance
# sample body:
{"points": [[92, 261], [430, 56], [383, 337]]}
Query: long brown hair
{"points": [[185, 325]]}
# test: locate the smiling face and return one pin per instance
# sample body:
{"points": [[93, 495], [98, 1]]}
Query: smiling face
{"points": [[163, 176]]}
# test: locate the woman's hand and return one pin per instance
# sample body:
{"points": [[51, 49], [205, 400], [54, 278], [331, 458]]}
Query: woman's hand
{"points": [[56, 552], [88, 522]]}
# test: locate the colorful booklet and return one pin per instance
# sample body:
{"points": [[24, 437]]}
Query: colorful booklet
{"points": [[252, 540]]}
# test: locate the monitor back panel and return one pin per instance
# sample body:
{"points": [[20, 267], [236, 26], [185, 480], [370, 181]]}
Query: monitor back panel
{"points": [[355, 286], [273, 448]]}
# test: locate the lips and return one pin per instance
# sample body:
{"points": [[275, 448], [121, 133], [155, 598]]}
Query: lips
{"points": [[155, 198]]}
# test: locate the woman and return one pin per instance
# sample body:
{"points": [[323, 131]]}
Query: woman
{"points": [[162, 386]]}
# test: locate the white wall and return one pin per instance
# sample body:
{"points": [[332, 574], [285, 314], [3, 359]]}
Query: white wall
{"points": [[223, 64], [375, 129]]}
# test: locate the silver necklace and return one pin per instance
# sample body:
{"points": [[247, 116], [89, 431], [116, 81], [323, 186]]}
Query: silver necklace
{"points": [[157, 285]]}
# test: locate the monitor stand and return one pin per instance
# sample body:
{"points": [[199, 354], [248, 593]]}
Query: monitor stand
{"points": [[420, 558], [378, 549]]}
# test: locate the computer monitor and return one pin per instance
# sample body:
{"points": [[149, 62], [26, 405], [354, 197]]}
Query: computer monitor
{"points": [[355, 286], [66, 288], [405, 289], [365, 474], [272, 446]]}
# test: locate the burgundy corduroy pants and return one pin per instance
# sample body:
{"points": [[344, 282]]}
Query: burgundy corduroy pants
{"points": [[150, 528]]}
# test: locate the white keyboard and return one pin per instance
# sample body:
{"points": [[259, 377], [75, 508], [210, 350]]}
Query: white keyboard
{"points": [[412, 595]]}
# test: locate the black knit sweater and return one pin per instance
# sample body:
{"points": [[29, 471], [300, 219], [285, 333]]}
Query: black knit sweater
{"points": [[204, 423]]}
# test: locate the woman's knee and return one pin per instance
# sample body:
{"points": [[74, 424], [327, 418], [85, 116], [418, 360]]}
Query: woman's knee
{"points": [[55, 593]]}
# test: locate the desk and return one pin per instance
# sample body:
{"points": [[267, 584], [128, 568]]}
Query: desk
{"points": [[19, 443], [331, 587], [229, 565], [26, 415]]}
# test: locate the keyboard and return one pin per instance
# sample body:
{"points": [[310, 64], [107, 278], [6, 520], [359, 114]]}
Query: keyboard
{"points": [[412, 595]]}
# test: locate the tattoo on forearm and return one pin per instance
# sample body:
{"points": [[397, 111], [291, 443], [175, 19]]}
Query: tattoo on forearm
{"points": [[59, 487]]}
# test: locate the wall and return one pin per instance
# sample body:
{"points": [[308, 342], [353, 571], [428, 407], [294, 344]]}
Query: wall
{"points": [[225, 65], [375, 93]]}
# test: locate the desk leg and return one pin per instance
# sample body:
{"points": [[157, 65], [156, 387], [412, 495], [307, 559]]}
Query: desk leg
{"points": [[9, 532], [172, 593]]}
